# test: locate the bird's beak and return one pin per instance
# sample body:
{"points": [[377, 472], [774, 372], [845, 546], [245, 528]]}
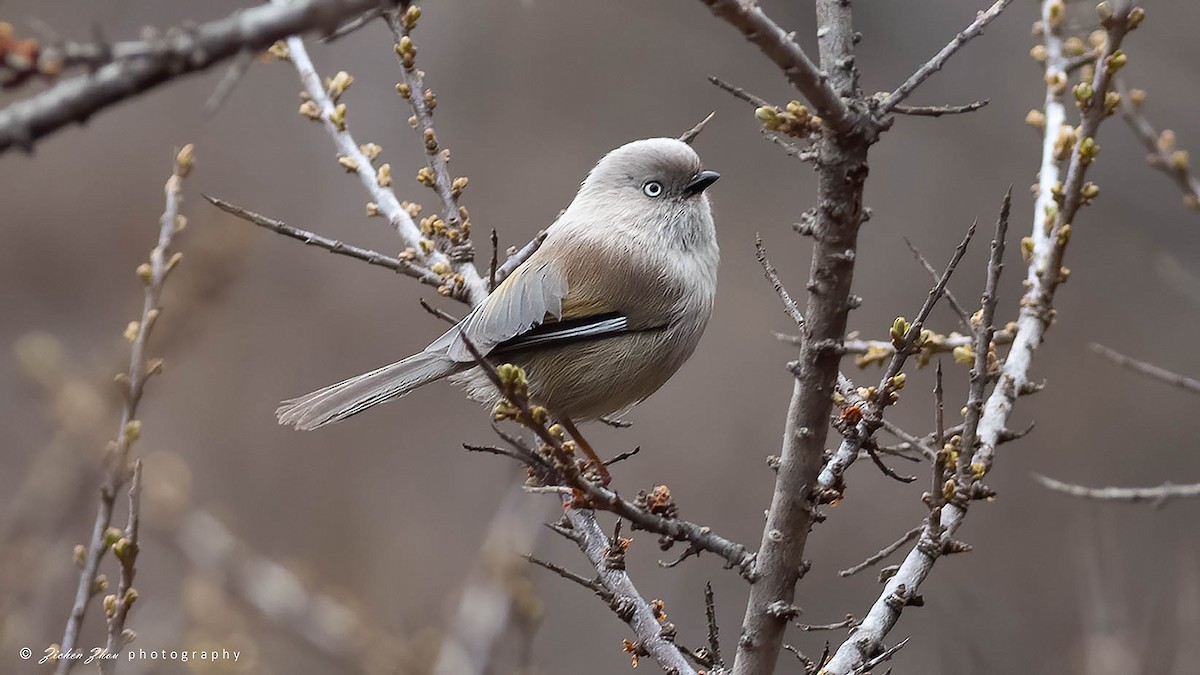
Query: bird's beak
{"points": [[700, 182]]}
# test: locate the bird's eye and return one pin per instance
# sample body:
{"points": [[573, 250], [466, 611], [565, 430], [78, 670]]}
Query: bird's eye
{"points": [[652, 189]]}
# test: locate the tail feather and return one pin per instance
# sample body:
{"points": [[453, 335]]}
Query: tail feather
{"points": [[339, 401]]}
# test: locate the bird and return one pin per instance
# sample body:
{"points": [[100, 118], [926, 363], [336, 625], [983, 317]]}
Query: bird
{"points": [[599, 317]]}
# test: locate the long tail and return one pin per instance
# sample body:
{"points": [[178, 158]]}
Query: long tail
{"points": [[339, 401]]}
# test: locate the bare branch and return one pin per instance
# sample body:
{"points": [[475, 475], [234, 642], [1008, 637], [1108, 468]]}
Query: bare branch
{"points": [[137, 67], [935, 64], [799, 69], [789, 305], [332, 245], [1149, 369], [1159, 495], [739, 93], [153, 274], [691, 134], [1160, 147], [938, 110], [842, 170], [964, 317], [882, 554], [904, 344], [837, 625]]}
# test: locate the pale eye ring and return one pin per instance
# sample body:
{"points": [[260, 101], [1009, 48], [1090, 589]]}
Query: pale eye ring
{"points": [[652, 189]]}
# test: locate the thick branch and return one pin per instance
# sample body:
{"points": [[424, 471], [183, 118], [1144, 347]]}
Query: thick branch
{"points": [[778, 46], [838, 215], [138, 67]]}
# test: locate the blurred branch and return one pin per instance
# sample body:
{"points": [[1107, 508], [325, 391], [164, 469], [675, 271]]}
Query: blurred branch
{"points": [[1163, 155], [1159, 495], [1045, 251], [933, 65], [460, 280], [492, 594], [153, 274], [125, 70], [126, 550], [1149, 369], [882, 554], [332, 245]]}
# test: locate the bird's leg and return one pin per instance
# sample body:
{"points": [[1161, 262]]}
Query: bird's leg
{"points": [[605, 477]]}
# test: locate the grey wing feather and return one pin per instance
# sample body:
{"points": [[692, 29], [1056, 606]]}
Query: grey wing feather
{"points": [[521, 302]]}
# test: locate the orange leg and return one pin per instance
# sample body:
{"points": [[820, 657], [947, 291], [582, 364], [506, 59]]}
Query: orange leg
{"points": [[605, 477]]}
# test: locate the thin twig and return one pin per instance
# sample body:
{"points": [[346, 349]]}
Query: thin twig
{"points": [[964, 317], [154, 274], [521, 255], [935, 64], [882, 554], [789, 305], [1148, 369], [332, 245], [714, 631], [939, 110], [739, 93], [886, 655], [837, 625], [143, 66], [691, 134], [1158, 495]]}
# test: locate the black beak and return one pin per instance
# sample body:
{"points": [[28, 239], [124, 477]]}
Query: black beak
{"points": [[700, 182]]}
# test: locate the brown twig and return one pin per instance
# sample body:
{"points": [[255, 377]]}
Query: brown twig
{"points": [[882, 554], [964, 317], [935, 64], [153, 274], [138, 67], [938, 110], [332, 245]]}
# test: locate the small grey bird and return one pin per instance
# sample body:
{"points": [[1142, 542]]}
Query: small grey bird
{"points": [[599, 317]]}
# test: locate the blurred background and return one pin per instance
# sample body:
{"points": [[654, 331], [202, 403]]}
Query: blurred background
{"points": [[348, 549]]}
